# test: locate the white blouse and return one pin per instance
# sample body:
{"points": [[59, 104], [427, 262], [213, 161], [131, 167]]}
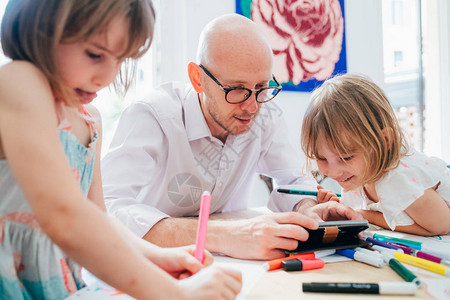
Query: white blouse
{"points": [[399, 188]]}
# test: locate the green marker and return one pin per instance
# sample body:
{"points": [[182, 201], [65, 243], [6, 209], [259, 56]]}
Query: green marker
{"points": [[412, 244], [300, 192], [402, 271]]}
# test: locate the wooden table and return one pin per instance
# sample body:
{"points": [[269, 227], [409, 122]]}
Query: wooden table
{"points": [[279, 284]]}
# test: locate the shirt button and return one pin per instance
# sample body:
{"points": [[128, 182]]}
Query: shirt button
{"points": [[220, 184]]}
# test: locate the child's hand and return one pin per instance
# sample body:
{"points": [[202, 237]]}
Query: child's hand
{"points": [[180, 261], [212, 283], [324, 195]]}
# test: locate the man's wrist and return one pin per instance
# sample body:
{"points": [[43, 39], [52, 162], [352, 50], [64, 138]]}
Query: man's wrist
{"points": [[217, 237]]}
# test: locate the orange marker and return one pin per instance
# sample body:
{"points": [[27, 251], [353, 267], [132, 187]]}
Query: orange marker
{"points": [[297, 264], [276, 263]]}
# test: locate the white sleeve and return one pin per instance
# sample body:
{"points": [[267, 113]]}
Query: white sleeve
{"points": [[399, 188], [282, 162], [130, 166]]}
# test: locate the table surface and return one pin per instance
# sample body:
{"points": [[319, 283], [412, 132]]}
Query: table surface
{"points": [[278, 284]]}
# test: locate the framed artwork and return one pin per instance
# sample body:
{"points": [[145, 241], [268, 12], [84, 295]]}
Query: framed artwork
{"points": [[307, 38]]}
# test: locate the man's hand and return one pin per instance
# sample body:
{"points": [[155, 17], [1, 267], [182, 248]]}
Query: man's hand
{"points": [[324, 195], [331, 211], [265, 237]]}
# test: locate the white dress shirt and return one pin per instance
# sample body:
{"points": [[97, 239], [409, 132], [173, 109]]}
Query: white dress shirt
{"points": [[163, 157]]}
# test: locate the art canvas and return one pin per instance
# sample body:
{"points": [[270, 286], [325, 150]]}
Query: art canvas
{"points": [[307, 38]]}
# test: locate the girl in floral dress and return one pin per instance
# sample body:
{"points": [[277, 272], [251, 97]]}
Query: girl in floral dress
{"points": [[52, 215]]}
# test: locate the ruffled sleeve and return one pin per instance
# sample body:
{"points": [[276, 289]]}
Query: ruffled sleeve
{"points": [[398, 189]]}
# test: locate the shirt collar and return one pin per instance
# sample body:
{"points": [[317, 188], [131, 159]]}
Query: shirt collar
{"points": [[195, 123]]}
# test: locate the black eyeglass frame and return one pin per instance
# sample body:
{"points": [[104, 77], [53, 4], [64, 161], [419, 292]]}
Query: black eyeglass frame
{"points": [[227, 90]]}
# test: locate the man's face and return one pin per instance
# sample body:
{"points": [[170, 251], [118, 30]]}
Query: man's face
{"points": [[224, 118]]}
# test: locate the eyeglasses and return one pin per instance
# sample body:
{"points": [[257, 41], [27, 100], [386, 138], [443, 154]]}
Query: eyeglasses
{"points": [[236, 95]]}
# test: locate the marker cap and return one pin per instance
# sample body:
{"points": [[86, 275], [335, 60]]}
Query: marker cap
{"points": [[302, 264], [397, 288]]}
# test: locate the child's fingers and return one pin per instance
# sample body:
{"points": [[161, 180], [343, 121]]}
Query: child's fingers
{"points": [[319, 187], [184, 275], [208, 258], [191, 264], [335, 198], [322, 196]]}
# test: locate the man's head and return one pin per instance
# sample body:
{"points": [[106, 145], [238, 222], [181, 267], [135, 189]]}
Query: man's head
{"points": [[232, 52]]}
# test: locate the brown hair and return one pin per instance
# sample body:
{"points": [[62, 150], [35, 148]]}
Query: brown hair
{"points": [[352, 113], [32, 29]]}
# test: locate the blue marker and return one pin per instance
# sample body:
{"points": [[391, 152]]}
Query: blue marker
{"points": [[374, 260], [300, 192]]}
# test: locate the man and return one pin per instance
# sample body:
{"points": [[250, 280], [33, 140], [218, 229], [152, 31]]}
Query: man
{"points": [[209, 136]]}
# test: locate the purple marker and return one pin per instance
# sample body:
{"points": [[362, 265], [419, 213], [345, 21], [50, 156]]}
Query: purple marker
{"points": [[382, 244], [406, 249]]}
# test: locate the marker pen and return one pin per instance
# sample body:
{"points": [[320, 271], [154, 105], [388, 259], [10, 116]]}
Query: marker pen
{"points": [[422, 254], [383, 288], [276, 263], [384, 238], [436, 252], [387, 250], [375, 261], [395, 265], [300, 192], [422, 263], [302, 264], [367, 251], [406, 249], [380, 243], [203, 217]]}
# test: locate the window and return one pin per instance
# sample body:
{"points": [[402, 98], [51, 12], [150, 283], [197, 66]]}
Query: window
{"points": [[402, 49]]}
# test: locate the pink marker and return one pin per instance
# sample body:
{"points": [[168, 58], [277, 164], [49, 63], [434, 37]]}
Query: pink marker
{"points": [[203, 216]]}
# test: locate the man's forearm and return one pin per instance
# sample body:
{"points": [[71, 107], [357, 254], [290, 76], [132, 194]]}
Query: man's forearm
{"points": [[176, 232]]}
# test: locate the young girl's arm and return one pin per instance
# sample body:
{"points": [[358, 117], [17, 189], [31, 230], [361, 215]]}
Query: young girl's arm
{"points": [[175, 261], [377, 218], [430, 213], [31, 144]]}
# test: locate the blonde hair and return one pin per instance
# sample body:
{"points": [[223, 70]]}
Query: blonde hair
{"points": [[351, 113], [32, 29]]}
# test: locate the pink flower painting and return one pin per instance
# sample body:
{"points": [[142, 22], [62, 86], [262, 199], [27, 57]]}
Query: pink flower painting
{"points": [[307, 37]]}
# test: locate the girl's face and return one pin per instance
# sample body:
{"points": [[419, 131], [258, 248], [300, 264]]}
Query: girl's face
{"points": [[88, 66], [347, 169]]}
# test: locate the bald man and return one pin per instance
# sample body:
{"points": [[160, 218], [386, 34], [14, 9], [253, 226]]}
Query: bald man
{"points": [[213, 135]]}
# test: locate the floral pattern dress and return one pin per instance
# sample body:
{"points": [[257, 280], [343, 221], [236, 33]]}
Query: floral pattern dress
{"points": [[31, 265]]}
